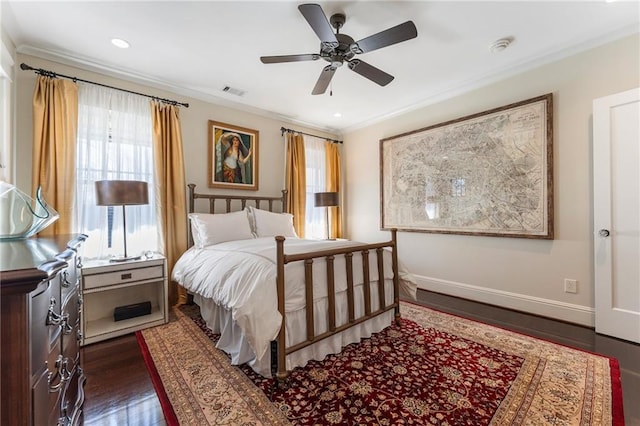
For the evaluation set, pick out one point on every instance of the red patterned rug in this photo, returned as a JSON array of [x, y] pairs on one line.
[[431, 369]]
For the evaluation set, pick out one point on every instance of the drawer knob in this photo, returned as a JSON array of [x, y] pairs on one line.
[[126, 276]]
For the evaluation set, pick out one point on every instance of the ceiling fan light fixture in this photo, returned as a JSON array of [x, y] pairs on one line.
[[500, 45]]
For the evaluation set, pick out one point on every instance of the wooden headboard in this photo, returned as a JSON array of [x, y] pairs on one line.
[[234, 203]]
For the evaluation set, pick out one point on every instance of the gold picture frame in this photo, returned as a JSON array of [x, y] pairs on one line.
[[488, 174], [233, 156]]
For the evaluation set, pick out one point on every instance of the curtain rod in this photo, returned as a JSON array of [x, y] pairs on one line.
[[283, 130], [55, 74]]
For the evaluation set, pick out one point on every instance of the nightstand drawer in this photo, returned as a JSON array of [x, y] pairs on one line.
[[122, 277]]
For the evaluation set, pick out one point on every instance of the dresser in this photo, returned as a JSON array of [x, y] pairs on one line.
[[41, 374]]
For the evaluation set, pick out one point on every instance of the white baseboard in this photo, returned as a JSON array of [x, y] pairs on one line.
[[576, 314]]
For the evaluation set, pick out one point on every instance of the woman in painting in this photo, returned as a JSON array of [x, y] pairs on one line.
[[235, 158]]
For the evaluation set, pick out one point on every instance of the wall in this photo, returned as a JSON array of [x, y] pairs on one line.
[[194, 122], [517, 273]]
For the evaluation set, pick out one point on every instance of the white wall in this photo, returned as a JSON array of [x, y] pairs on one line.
[[517, 273], [194, 122]]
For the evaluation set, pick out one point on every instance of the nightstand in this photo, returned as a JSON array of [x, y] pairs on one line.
[[106, 286]]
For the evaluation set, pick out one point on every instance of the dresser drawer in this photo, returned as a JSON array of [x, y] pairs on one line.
[[43, 336], [123, 277]]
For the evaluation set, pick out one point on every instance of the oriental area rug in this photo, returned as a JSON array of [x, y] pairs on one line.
[[431, 369]]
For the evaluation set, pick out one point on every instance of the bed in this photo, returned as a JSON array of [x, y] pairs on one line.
[[249, 274]]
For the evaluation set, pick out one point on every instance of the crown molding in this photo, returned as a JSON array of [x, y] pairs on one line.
[[86, 64], [562, 52], [458, 89]]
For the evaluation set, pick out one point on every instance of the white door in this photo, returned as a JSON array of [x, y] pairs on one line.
[[616, 214]]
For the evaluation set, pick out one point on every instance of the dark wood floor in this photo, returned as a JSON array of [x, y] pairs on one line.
[[119, 390]]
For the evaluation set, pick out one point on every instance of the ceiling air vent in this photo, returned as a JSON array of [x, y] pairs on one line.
[[233, 91]]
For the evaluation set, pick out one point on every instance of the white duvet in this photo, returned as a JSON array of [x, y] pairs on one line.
[[240, 276]]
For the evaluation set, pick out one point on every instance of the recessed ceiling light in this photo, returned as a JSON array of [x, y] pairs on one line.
[[337, 114], [118, 42]]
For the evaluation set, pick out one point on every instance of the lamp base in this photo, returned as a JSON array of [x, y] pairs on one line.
[[124, 258]]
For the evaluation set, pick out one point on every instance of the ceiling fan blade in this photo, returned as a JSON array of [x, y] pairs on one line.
[[319, 23], [324, 80], [393, 35], [289, 58], [369, 71]]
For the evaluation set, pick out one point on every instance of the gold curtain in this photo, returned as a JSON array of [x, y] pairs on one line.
[[333, 185], [170, 189], [296, 182], [55, 130]]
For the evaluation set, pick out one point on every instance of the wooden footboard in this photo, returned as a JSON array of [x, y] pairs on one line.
[[329, 256], [280, 352]]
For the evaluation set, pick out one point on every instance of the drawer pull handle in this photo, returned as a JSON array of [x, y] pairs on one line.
[[53, 318], [65, 280], [62, 372], [125, 276], [65, 420], [66, 327], [62, 321]]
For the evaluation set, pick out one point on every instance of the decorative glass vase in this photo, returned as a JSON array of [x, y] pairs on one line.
[[20, 215]]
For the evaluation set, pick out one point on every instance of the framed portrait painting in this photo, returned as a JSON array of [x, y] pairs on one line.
[[233, 157]]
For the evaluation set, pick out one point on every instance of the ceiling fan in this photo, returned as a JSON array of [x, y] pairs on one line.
[[339, 48]]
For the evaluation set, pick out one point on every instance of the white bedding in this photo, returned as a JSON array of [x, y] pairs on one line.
[[240, 277]]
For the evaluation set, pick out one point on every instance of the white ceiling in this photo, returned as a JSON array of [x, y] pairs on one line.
[[197, 48]]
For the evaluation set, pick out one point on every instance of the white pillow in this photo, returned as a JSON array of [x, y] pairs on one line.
[[269, 224], [217, 228]]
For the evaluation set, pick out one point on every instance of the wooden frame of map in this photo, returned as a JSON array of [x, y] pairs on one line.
[[488, 174]]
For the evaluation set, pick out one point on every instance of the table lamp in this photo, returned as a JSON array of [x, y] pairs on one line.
[[122, 193], [326, 200]]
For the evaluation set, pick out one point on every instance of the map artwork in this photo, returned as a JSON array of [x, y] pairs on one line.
[[486, 174]]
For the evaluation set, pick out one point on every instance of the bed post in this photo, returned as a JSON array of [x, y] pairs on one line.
[[396, 278], [190, 209], [281, 374]]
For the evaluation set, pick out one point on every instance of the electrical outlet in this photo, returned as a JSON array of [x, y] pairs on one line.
[[570, 286]]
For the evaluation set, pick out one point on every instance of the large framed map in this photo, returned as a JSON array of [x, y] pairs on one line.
[[487, 174]]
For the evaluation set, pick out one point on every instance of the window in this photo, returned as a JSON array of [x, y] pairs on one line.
[[6, 96], [316, 166], [114, 143]]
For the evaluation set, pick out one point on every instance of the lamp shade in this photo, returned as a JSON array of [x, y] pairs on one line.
[[121, 193], [326, 199]]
